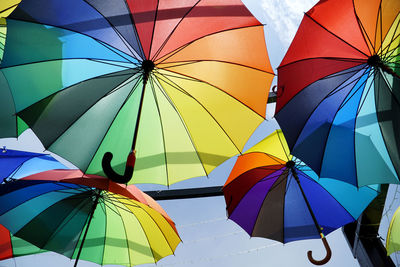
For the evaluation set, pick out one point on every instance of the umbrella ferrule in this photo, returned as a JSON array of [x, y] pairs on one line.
[[147, 66], [376, 61]]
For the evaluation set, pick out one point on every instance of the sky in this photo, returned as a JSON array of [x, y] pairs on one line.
[[209, 238]]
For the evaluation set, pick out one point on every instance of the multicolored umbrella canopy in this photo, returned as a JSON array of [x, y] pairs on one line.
[[169, 79], [87, 217], [272, 194], [393, 234], [11, 246], [16, 164], [338, 91]]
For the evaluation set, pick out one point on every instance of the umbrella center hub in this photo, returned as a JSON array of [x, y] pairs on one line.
[[290, 164], [147, 66], [375, 61]]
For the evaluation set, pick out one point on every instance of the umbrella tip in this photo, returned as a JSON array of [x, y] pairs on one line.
[[374, 61], [290, 164], [147, 66]]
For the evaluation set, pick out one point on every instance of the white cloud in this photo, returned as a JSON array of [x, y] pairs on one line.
[[284, 16]]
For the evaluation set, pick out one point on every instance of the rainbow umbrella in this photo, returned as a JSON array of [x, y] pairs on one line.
[[393, 234], [272, 194], [178, 85], [87, 217], [15, 164], [339, 83], [11, 246]]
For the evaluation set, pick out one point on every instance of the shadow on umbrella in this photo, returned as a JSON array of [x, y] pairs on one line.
[[148, 16]]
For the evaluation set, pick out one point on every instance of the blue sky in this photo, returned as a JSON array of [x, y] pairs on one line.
[[209, 239]]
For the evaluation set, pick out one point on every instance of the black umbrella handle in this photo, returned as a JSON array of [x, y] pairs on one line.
[[327, 257], [290, 164], [112, 175]]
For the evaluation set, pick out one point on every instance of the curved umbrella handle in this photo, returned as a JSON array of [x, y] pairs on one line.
[[327, 257], [275, 90], [112, 175]]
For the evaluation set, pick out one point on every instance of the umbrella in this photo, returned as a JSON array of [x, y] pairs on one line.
[[16, 164], [393, 234], [272, 194], [165, 82], [339, 83], [11, 246], [87, 217]]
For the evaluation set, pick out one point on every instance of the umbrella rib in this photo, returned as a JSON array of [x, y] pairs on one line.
[[63, 28], [99, 60], [111, 199], [214, 119], [327, 30], [380, 127], [173, 30], [107, 94], [111, 63], [184, 63], [8, 8], [124, 226], [130, 48], [380, 14], [355, 60], [216, 87], [282, 141], [180, 118], [177, 50], [162, 128], [159, 228], [340, 87], [389, 53], [360, 87], [141, 225], [391, 91], [134, 87], [366, 38], [105, 224], [76, 210], [366, 90], [277, 182], [135, 29], [80, 206], [348, 96], [270, 176], [154, 27], [312, 180], [338, 74], [14, 104]]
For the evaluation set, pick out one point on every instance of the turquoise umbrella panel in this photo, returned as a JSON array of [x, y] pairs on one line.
[[67, 58], [108, 22], [347, 117]]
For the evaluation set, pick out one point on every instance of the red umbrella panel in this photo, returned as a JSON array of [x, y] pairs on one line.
[[338, 98], [11, 246], [180, 85]]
